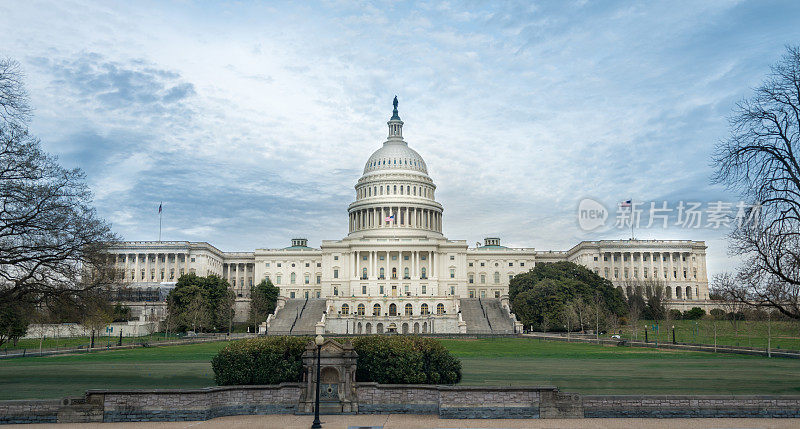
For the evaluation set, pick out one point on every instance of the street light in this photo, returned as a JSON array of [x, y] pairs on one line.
[[673, 334], [317, 424], [645, 333]]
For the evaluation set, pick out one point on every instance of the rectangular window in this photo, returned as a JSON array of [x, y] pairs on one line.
[[595, 258], [319, 279], [452, 257], [363, 258], [307, 279], [510, 276], [452, 290], [471, 293], [470, 264], [381, 292], [336, 257], [483, 278], [336, 274], [423, 257], [521, 264], [407, 289], [363, 289], [335, 291], [497, 294], [267, 264], [452, 273], [381, 257], [291, 294], [192, 259], [279, 264], [424, 289], [319, 264], [510, 264], [405, 258], [483, 264], [306, 264], [471, 279]]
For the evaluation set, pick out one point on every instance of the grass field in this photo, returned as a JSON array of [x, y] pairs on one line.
[[785, 335], [32, 344], [585, 368]]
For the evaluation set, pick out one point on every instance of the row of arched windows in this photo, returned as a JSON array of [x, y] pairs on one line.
[[680, 292], [408, 309], [413, 190], [382, 273]]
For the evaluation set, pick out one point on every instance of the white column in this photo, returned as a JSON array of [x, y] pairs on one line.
[[433, 266]]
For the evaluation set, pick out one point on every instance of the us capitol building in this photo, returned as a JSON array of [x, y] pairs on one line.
[[395, 271]]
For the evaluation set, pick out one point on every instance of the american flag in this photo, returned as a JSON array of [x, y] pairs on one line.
[[625, 203], [159, 208], [389, 218]]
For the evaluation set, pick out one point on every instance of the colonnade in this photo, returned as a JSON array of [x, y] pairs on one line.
[[374, 264], [404, 217], [644, 265], [152, 267]]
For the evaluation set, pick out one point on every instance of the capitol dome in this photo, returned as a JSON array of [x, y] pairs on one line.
[[395, 155], [395, 195]]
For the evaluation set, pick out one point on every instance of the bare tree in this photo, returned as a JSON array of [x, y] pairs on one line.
[[51, 240], [727, 287], [14, 107], [759, 160]]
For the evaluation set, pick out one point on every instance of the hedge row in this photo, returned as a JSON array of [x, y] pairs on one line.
[[263, 360], [382, 359]]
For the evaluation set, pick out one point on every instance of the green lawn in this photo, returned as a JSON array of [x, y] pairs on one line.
[[785, 335], [32, 344], [585, 368]]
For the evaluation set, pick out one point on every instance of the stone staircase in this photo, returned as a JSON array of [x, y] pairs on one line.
[[297, 317], [499, 319], [486, 316], [472, 314]]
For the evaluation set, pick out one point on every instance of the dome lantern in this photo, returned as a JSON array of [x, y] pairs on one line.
[[395, 124]]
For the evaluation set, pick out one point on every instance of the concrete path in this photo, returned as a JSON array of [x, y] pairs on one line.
[[406, 421]]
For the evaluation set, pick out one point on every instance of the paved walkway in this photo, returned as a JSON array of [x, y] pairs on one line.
[[406, 421]]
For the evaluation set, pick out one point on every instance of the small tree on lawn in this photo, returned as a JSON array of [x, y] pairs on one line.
[[263, 299]]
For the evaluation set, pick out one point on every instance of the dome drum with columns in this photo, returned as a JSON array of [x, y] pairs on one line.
[[396, 272]]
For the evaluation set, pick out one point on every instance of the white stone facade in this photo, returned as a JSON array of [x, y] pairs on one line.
[[395, 270]]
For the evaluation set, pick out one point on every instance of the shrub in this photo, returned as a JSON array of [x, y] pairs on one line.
[[717, 313], [694, 314], [405, 360], [675, 314], [263, 360]]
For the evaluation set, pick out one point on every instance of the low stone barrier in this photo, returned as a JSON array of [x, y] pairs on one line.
[[445, 401], [690, 406]]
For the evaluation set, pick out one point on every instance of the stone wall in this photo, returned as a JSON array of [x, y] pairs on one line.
[[198, 404], [676, 406], [444, 401], [29, 411]]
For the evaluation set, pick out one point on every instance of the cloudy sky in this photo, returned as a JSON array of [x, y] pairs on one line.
[[252, 121]]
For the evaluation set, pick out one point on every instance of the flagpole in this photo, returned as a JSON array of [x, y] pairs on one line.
[[159, 221], [631, 219]]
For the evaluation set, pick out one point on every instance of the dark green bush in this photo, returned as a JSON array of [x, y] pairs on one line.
[[717, 313], [263, 360], [694, 314], [405, 360], [675, 314]]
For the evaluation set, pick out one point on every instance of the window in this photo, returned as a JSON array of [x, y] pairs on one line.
[[381, 289], [345, 309], [382, 275], [483, 294], [483, 278], [376, 310], [406, 289], [483, 264], [521, 264], [405, 273], [292, 265], [423, 257], [496, 277], [277, 279], [336, 291], [319, 264], [336, 274], [267, 264], [423, 309], [279, 264], [381, 257], [307, 279], [471, 278], [424, 276], [470, 264], [440, 308], [292, 278], [363, 289], [363, 258], [511, 276], [424, 289], [291, 294], [335, 258], [306, 264], [452, 257], [360, 309], [497, 294], [595, 258], [364, 274], [394, 273], [409, 310], [616, 273], [452, 290], [193, 260], [392, 309], [471, 293], [452, 273], [319, 279]]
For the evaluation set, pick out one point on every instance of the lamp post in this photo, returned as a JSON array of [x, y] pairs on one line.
[[645, 333], [673, 334], [318, 340]]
